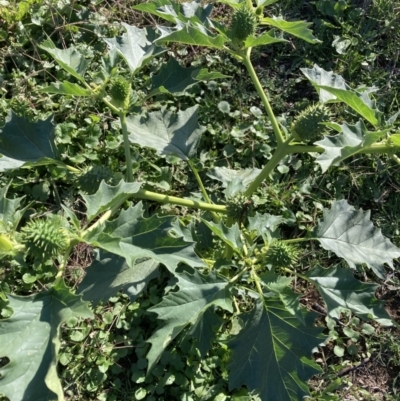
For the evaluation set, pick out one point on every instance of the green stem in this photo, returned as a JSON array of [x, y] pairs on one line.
[[279, 154], [144, 194], [297, 274], [128, 158], [216, 218], [257, 281], [296, 240], [263, 96]]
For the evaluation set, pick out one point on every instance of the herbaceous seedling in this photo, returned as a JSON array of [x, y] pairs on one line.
[[271, 353]]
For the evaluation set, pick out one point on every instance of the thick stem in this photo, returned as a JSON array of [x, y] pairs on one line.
[[144, 194], [263, 96], [280, 153], [296, 240], [127, 147]]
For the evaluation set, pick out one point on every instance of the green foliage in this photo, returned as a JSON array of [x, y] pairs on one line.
[[193, 299]]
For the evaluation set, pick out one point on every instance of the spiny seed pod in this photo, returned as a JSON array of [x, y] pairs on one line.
[[281, 255], [44, 238], [91, 178], [120, 90], [238, 206], [307, 125], [244, 23]]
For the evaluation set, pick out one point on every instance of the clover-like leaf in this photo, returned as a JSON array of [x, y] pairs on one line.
[[173, 78], [30, 339], [230, 235], [134, 237], [136, 46], [184, 307], [71, 60], [351, 235], [22, 141], [332, 87], [341, 290], [110, 273], [299, 29], [351, 140], [271, 354], [108, 196], [167, 132]]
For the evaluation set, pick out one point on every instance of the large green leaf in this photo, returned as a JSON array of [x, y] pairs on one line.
[[341, 290], [296, 28], [205, 328], [351, 235], [134, 237], [351, 140], [184, 307], [230, 235], [332, 87], [108, 197], [264, 39], [279, 286], [172, 10], [66, 88], [136, 46], [30, 338], [173, 78], [226, 175], [110, 274], [167, 132], [22, 141], [70, 59], [271, 354], [191, 33]]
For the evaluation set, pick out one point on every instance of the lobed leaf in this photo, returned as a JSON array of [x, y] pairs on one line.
[[230, 235], [22, 141], [191, 34], [173, 78], [226, 175], [296, 28], [71, 60], [351, 140], [136, 46], [184, 307], [167, 132], [271, 352], [66, 88], [110, 273], [351, 235], [340, 290], [332, 87], [108, 197], [30, 339], [134, 237]]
